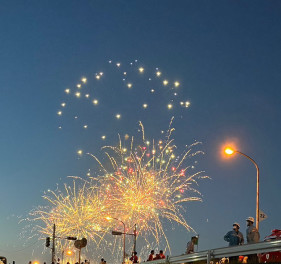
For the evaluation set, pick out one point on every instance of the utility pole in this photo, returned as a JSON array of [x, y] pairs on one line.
[[53, 248], [135, 237]]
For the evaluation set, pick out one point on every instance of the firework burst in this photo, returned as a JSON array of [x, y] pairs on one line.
[[76, 211], [149, 184]]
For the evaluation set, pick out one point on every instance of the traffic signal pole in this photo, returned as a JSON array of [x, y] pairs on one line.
[[53, 248]]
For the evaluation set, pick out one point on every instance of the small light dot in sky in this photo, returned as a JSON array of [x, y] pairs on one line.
[[85, 126], [103, 137], [141, 69], [118, 116], [95, 101], [63, 104], [158, 73], [77, 94], [145, 106], [165, 82], [118, 64], [101, 73], [87, 95], [129, 85], [78, 85], [84, 79], [59, 113], [177, 84], [187, 104], [67, 91], [80, 152], [170, 106], [97, 77], [152, 90]]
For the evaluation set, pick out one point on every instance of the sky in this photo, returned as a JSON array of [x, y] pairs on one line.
[[225, 54]]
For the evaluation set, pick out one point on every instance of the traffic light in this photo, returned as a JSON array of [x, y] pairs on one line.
[[47, 241], [71, 238], [116, 233]]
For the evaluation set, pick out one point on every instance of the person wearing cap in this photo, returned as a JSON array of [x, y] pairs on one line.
[[234, 237], [253, 235]]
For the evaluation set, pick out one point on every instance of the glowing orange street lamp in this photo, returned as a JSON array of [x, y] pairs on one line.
[[230, 151], [69, 253], [124, 237]]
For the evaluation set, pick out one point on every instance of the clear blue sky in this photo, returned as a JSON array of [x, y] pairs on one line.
[[226, 53]]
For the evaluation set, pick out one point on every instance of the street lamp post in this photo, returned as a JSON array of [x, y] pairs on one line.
[[230, 151]]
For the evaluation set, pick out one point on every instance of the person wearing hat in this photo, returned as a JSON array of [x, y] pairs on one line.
[[234, 237], [253, 235]]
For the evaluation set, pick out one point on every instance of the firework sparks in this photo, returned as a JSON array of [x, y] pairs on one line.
[[154, 84], [75, 212], [146, 185]]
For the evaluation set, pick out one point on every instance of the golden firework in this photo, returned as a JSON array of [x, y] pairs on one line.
[[77, 211], [147, 184]]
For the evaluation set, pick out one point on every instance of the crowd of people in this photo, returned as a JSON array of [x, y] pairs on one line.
[[58, 262], [151, 257], [233, 237], [160, 255]]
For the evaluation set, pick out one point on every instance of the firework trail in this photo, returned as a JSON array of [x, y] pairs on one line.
[[148, 184], [76, 211], [143, 183], [144, 186]]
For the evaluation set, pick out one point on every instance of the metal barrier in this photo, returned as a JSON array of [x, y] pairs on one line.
[[208, 255]]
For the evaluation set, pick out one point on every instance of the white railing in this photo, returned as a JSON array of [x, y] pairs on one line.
[[208, 255]]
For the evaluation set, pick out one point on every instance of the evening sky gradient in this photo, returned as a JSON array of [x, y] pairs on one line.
[[226, 53]]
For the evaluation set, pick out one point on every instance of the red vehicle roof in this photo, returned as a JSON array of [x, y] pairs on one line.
[[275, 234]]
